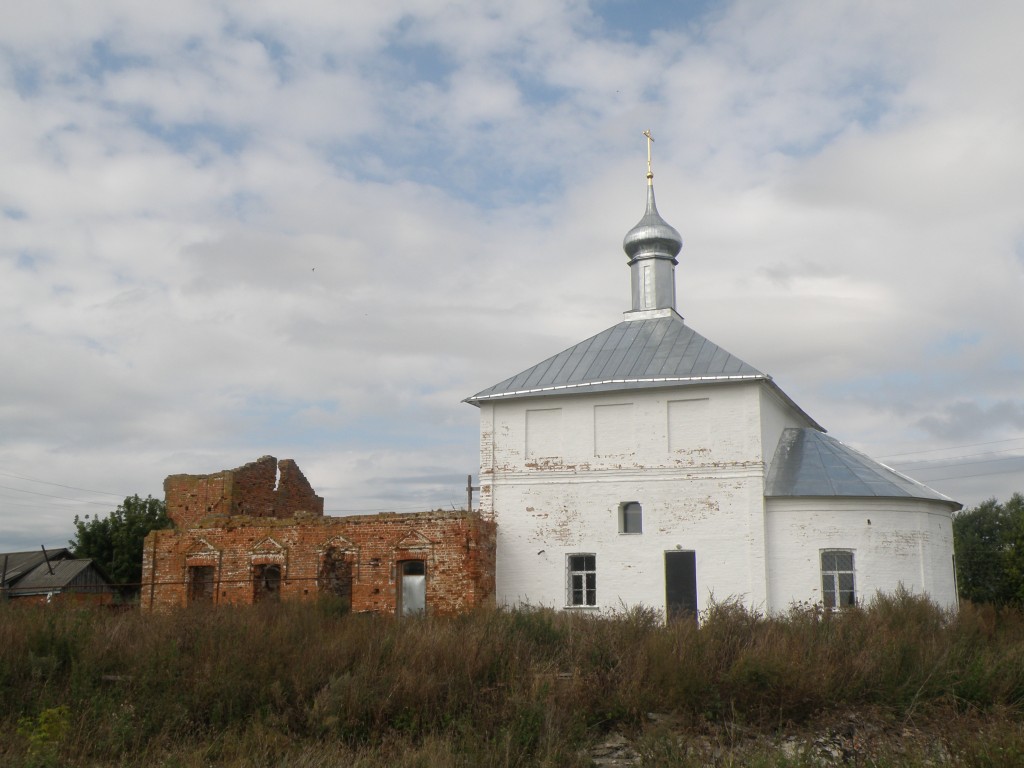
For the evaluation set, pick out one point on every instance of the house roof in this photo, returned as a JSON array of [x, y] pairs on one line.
[[21, 563], [40, 579], [810, 463], [649, 352]]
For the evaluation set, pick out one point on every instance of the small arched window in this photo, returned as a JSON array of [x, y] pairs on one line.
[[631, 517]]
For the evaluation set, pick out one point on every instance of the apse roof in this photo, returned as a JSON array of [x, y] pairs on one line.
[[650, 352], [810, 463]]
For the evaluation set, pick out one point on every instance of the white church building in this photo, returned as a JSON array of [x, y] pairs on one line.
[[648, 466]]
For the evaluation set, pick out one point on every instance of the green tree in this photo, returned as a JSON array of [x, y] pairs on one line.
[[989, 544], [115, 542]]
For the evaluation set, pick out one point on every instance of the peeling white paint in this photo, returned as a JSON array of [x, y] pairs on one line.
[[698, 471]]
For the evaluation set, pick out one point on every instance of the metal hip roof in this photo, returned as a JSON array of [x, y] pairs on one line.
[[810, 463], [652, 352]]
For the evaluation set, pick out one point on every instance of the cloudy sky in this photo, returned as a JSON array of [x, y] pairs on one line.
[[310, 229]]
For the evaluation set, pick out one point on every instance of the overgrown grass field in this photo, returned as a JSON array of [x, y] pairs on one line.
[[307, 685]]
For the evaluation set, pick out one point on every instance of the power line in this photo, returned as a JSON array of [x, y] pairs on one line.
[[952, 448], [12, 501], [961, 456], [60, 485], [51, 496], [950, 463], [979, 474]]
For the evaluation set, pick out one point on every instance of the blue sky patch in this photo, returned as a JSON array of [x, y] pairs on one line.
[[954, 342], [626, 19], [28, 261], [278, 55], [192, 137], [27, 80], [418, 62], [102, 58], [479, 173]]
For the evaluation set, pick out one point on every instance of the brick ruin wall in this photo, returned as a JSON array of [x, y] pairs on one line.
[[263, 488], [258, 532], [457, 549]]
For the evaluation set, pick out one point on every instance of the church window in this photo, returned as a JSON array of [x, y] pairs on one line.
[[582, 585], [631, 517], [837, 578]]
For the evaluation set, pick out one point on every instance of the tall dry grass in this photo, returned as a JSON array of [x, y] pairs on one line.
[[310, 685]]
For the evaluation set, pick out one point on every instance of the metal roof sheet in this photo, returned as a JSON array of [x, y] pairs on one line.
[[810, 463], [651, 352], [41, 579], [19, 564]]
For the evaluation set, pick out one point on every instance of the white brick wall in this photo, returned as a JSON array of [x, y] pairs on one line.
[[695, 458], [908, 542]]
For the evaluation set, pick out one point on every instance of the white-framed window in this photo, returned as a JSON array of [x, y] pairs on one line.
[[631, 517], [838, 586], [581, 586]]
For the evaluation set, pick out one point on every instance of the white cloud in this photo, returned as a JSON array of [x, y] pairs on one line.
[[311, 230]]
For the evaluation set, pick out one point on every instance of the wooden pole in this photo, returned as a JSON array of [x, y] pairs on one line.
[[469, 492]]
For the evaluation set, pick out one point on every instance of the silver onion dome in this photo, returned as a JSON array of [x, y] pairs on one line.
[[652, 236]]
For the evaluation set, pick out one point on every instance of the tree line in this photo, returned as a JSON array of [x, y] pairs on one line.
[[989, 546]]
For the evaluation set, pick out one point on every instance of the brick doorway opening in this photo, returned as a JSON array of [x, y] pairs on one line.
[[266, 583], [335, 577], [201, 584], [412, 588]]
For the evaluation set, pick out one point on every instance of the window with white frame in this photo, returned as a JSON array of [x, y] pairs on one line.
[[838, 587], [631, 517], [582, 582]]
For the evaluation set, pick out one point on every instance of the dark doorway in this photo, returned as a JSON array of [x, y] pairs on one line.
[[335, 577], [266, 583], [412, 591], [200, 584], [681, 585]]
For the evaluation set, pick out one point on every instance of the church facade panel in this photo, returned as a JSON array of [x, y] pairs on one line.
[[546, 514]]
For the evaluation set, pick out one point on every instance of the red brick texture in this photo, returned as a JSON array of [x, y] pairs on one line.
[[264, 488], [296, 553]]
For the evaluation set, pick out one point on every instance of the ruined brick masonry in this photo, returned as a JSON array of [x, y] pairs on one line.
[[254, 490], [258, 532]]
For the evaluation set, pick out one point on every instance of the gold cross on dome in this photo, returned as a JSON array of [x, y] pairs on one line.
[[650, 140]]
